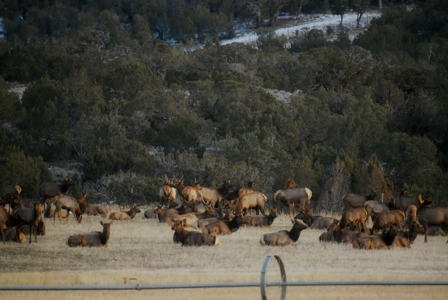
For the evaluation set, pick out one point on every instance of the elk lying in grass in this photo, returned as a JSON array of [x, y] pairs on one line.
[[28, 216], [92, 209], [191, 220], [149, 214], [53, 189], [68, 203], [163, 214], [223, 226], [392, 217], [383, 241], [337, 235], [125, 215], [260, 221], [209, 212], [315, 222], [11, 235], [284, 237], [94, 239], [192, 238]]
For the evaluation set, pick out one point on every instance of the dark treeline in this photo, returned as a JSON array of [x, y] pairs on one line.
[[112, 104]]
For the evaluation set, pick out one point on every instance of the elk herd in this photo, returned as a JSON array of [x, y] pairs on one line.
[[199, 215]]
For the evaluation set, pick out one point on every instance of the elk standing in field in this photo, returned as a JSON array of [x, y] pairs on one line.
[[28, 216], [428, 215], [355, 200], [53, 189], [94, 239], [296, 197], [68, 203], [10, 195]]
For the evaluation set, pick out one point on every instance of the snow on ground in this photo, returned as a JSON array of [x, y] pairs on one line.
[[306, 23]]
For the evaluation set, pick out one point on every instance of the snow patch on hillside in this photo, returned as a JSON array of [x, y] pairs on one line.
[[306, 23]]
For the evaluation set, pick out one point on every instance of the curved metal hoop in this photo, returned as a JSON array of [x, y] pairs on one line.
[[263, 282]]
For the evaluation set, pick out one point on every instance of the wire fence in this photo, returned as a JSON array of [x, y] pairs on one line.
[[263, 284]]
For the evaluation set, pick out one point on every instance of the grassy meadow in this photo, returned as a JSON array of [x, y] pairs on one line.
[[144, 249]]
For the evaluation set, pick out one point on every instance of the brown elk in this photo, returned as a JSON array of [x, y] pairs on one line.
[[374, 208], [62, 214], [435, 216], [260, 221], [223, 226], [164, 213], [213, 196], [53, 189], [383, 241], [315, 222], [355, 200], [94, 239], [405, 200], [338, 235], [91, 209], [392, 217], [279, 199], [125, 215], [3, 220], [356, 216], [209, 212], [191, 220], [256, 200], [249, 189], [68, 203], [192, 193], [28, 216], [192, 238], [284, 237], [10, 195], [168, 193], [297, 197]]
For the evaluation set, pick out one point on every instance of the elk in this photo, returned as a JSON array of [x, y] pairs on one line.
[[435, 216], [297, 197], [10, 195], [383, 241], [260, 221], [3, 220], [255, 200], [53, 189], [338, 235], [374, 208], [168, 193], [315, 222], [28, 216], [356, 216], [192, 193], [279, 198], [49, 213], [149, 214], [68, 203], [192, 238], [284, 237], [94, 239], [223, 226], [355, 200], [91, 209], [191, 220], [405, 200], [392, 217], [209, 212], [213, 196], [164, 213], [125, 215], [11, 235]]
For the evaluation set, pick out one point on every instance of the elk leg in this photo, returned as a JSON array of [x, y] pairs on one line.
[[3, 234]]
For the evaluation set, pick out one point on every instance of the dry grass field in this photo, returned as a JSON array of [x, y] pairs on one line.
[[144, 249]]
